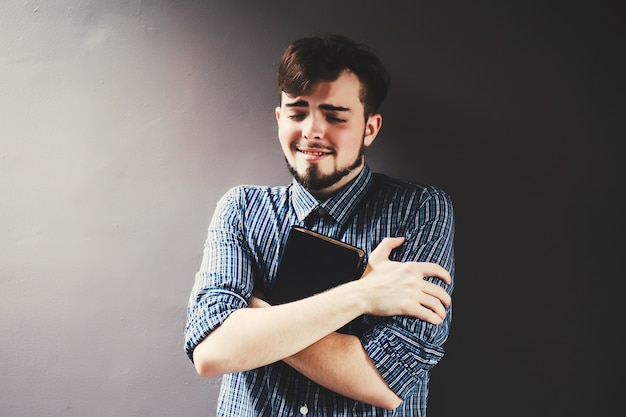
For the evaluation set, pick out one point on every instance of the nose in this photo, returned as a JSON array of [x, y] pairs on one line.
[[313, 127]]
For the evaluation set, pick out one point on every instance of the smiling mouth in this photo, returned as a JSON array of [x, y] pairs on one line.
[[313, 150], [314, 153]]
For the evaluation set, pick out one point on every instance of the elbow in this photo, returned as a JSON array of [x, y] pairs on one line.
[[204, 369], [206, 364], [216, 356]]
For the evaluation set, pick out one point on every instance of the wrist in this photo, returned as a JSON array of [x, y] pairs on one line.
[[356, 296]]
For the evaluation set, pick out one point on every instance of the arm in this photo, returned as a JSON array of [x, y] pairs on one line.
[[345, 368], [340, 363], [343, 358], [416, 341], [223, 336], [251, 338], [267, 335]]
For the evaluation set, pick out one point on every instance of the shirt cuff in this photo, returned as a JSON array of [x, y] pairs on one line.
[[401, 358], [207, 314]]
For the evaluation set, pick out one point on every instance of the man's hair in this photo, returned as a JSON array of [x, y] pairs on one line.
[[308, 61]]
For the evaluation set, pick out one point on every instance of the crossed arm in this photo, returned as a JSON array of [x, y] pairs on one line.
[[302, 333]]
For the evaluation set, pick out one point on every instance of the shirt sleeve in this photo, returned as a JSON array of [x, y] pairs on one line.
[[405, 349], [224, 282]]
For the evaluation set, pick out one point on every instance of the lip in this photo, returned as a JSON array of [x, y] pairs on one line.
[[313, 154]]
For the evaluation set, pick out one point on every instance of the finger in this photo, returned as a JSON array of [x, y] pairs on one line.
[[434, 305], [436, 291], [427, 314], [429, 269], [384, 248]]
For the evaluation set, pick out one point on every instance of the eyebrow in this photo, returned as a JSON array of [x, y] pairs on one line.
[[329, 107]]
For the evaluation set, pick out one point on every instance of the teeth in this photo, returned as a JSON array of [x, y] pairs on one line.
[[313, 153]]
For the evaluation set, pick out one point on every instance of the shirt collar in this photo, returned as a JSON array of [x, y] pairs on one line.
[[340, 205]]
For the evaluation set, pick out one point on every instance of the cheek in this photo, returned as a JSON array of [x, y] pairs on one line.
[[286, 139], [349, 141], [287, 131]]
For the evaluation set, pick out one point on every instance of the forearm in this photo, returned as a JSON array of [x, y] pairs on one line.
[[253, 337], [339, 363]]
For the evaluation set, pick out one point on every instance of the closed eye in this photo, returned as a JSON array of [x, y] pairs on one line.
[[335, 119]]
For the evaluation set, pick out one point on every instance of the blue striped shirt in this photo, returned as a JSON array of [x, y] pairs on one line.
[[245, 239]]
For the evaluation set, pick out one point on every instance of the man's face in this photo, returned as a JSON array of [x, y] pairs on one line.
[[323, 134]]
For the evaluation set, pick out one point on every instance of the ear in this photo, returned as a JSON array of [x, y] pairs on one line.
[[372, 127], [277, 113]]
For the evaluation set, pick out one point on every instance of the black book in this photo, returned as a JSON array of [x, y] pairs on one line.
[[312, 263]]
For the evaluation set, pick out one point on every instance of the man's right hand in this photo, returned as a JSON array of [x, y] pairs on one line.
[[399, 288]]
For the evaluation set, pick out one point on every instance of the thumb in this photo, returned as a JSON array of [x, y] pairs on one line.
[[384, 248]]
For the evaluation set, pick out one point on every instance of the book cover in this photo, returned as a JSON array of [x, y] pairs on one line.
[[312, 263]]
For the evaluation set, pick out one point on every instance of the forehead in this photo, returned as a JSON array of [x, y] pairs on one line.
[[344, 91]]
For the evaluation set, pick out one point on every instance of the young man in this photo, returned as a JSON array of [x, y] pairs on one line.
[[289, 359]]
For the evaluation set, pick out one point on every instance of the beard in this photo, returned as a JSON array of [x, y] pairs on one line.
[[313, 179]]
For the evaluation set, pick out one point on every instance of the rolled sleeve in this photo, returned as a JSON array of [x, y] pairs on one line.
[[224, 282], [400, 357], [207, 314], [405, 349]]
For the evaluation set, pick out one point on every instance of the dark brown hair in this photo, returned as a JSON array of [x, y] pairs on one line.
[[307, 61]]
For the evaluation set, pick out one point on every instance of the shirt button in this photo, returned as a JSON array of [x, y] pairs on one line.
[[304, 410]]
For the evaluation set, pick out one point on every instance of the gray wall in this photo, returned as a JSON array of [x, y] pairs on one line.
[[122, 122]]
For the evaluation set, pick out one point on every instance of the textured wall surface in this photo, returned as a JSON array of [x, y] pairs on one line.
[[122, 122]]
